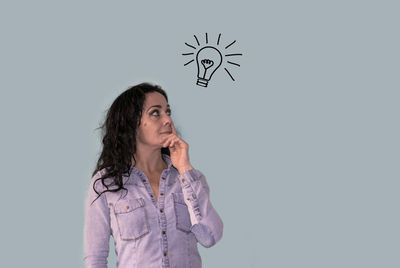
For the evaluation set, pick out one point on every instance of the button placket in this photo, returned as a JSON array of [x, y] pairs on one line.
[[148, 188], [163, 219], [160, 206]]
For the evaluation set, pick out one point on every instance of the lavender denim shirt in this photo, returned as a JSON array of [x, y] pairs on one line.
[[149, 233]]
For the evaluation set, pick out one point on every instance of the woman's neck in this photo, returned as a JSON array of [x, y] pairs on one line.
[[149, 161]]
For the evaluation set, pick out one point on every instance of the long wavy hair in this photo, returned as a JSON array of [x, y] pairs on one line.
[[119, 136]]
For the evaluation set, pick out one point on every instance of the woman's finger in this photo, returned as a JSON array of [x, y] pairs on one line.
[[169, 139], [173, 128], [165, 142], [174, 141], [178, 142]]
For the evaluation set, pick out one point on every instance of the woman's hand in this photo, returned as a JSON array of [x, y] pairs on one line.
[[179, 151]]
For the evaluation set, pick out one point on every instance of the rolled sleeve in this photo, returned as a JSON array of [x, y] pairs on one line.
[[207, 225], [97, 229]]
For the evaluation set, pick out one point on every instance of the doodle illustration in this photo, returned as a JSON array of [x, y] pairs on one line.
[[209, 59]]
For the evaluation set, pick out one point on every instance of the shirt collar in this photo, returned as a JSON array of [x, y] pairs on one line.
[[167, 160], [170, 173]]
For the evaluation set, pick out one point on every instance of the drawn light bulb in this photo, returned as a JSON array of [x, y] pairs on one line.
[[208, 60]]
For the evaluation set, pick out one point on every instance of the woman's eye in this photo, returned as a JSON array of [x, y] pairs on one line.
[[157, 113]]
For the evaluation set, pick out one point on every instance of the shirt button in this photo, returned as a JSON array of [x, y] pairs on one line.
[[163, 178], [161, 210], [163, 232], [161, 193], [183, 180], [165, 253], [127, 207], [143, 180]]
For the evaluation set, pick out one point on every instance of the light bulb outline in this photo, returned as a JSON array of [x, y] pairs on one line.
[[219, 49], [204, 78]]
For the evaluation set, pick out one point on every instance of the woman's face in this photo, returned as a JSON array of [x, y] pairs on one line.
[[155, 123]]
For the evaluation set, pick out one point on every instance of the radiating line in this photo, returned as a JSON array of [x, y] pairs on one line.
[[229, 74], [190, 45], [219, 36], [188, 63], [185, 54], [206, 38], [233, 63], [230, 44], [237, 54], [197, 40]]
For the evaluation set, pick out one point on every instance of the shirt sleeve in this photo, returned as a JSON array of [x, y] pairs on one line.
[[97, 229], [207, 225]]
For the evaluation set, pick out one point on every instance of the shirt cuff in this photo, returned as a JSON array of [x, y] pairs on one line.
[[187, 180]]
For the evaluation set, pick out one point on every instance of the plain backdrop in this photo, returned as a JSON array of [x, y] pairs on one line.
[[301, 151]]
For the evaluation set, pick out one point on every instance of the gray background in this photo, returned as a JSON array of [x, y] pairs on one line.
[[301, 152]]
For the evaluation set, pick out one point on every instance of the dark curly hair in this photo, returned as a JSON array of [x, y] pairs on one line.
[[119, 136]]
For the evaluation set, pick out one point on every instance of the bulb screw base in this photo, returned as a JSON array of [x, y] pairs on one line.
[[202, 82]]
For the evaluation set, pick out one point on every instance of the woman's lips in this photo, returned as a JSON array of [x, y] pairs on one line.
[[166, 132]]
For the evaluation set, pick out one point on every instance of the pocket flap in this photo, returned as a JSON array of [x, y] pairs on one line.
[[125, 206], [179, 198]]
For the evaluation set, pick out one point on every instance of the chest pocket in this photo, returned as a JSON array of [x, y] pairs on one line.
[[131, 218], [181, 213]]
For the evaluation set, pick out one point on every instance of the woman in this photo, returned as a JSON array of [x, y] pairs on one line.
[[145, 192]]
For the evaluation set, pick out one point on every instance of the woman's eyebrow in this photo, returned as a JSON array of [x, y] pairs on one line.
[[158, 106]]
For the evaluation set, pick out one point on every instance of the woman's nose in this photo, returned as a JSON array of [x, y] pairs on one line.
[[167, 120]]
